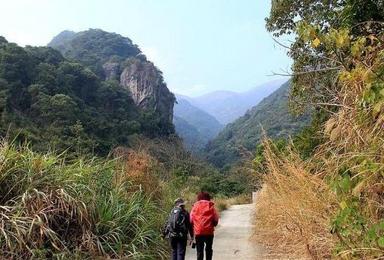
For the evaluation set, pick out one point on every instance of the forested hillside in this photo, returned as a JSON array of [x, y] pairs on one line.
[[192, 138], [239, 139], [116, 59], [54, 103], [194, 125]]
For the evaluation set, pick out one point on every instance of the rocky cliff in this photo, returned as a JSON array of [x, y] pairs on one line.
[[114, 57], [147, 87]]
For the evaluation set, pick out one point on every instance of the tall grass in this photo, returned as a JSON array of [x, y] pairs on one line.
[[294, 209], [52, 208]]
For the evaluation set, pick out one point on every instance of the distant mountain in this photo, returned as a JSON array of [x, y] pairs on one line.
[[239, 139], [194, 125], [189, 99], [62, 40], [227, 106]]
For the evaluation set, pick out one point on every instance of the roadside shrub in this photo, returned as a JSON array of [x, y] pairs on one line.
[[51, 207]]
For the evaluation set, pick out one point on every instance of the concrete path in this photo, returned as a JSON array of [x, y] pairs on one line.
[[232, 236]]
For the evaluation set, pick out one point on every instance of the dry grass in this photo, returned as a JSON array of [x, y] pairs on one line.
[[222, 204], [294, 210], [241, 199], [138, 168]]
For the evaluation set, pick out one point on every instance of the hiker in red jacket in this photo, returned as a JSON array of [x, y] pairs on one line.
[[204, 218]]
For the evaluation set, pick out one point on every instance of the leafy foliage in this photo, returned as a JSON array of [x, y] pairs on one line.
[[314, 71]]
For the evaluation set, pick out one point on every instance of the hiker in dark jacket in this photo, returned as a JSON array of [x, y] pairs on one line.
[[177, 228]]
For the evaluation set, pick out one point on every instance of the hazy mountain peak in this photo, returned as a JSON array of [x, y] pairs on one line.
[[62, 38], [227, 106]]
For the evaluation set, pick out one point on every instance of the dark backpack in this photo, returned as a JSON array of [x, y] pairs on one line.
[[177, 223]]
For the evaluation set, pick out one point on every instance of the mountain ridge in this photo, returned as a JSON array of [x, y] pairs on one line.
[[226, 106], [241, 137]]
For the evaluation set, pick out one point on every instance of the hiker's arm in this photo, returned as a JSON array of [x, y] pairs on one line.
[[165, 229], [191, 219], [191, 215], [215, 217], [189, 225]]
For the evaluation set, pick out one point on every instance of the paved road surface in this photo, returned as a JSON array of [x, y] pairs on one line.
[[232, 236]]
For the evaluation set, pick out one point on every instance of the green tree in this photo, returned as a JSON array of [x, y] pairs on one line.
[[313, 71]]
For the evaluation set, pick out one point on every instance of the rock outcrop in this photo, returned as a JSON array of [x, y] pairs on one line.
[[114, 57], [147, 87]]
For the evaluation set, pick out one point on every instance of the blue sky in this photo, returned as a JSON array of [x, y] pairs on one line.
[[200, 45]]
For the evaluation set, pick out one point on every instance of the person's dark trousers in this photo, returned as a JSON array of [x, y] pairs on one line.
[[178, 248], [200, 242]]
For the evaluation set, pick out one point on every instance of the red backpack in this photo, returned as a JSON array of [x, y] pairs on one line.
[[204, 217]]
